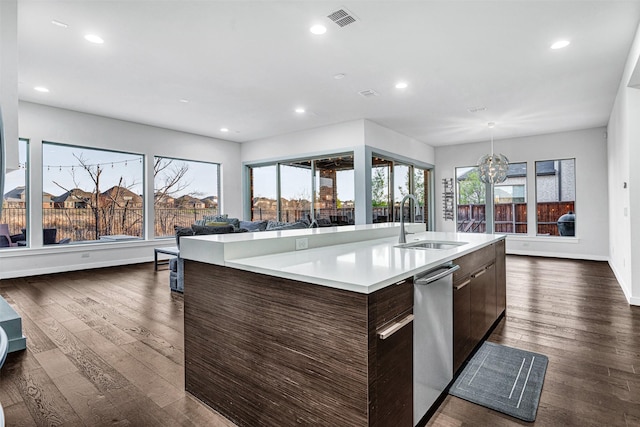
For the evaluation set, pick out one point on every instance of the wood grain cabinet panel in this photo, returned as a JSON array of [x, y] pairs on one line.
[[394, 381], [268, 351]]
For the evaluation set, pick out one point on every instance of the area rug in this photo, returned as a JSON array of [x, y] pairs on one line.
[[503, 378]]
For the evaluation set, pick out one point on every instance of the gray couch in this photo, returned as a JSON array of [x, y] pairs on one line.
[[219, 225]]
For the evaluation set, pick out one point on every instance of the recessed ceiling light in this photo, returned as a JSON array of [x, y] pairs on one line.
[[339, 76], [401, 85], [224, 130], [318, 29], [300, 110], [560, 44], [93, 39], [184, 101], [491, 125], [41, 89], [59, 24]]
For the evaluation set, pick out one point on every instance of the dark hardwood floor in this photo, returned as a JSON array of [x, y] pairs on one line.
[[575, 313], [105, 347]]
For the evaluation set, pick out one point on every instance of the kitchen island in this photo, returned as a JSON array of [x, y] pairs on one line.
[[277, 336]]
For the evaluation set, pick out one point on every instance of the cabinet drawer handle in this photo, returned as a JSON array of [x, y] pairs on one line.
[[462, 285], [395, 327], [479, 273]]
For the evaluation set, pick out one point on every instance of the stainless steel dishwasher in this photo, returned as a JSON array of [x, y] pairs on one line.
[[432, 336]]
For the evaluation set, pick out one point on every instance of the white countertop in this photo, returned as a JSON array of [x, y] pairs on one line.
[[356, 258]]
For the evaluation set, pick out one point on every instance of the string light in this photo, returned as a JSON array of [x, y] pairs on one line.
[[97, 165]]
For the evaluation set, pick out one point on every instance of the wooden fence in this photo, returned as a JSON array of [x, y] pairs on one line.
[[512, 217], [80, 224]]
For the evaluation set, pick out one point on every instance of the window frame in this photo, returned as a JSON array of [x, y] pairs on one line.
[[217, 194], [278, 178], [140, 158], [568, 208]]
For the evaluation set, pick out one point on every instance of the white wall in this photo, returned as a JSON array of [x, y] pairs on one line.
[[340, 137], [41, 123], [383, 139], [9, 80], [588, 147], [623, 153], [322, 140]]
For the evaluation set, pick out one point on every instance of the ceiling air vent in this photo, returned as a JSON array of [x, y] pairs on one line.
[[342, 17], [368, 93]]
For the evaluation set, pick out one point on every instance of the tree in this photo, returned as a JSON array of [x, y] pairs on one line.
[[379, 183], [168, 176], [471, 190], [104, 207]]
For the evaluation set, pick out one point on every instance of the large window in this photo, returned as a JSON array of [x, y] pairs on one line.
[[91, 195], [184, 191], [555, 197], [264, 192], [471, 200], [14, 203], [391, 181], [295, 191], [510, 198], [334, 190], [319, 188]]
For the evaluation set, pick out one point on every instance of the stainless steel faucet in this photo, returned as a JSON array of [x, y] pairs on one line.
[[403, 234]]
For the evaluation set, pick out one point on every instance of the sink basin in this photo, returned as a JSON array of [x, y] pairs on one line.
[[431, 244]]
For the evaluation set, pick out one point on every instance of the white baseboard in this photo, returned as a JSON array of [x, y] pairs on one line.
[[625, 289], [74, 267], [566, 255]]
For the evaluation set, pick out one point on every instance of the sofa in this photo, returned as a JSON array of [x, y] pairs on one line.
[[220, 224]]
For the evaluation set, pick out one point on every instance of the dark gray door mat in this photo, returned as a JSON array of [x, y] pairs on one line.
[[503, 378]]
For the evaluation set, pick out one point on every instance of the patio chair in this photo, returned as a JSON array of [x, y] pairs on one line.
[[4, 231]]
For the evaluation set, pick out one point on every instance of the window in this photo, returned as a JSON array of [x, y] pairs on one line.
[[421, 189], [295, 191], [91, 194], [392, 180], [334, 190], [321, 188], [471, 200], [14, 201], [184, 191], [381, 189], [264, 197], [555, 197], [510, 201], [402, 187]]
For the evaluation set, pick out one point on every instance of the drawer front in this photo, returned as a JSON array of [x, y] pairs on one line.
[[393, 301], [470, 263]]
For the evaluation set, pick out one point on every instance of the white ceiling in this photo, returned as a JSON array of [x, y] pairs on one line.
[[246, 65]]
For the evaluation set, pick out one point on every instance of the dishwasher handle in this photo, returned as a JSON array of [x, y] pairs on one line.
[[430, 277]]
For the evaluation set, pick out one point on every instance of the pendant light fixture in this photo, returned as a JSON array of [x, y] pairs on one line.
[[493, 167]]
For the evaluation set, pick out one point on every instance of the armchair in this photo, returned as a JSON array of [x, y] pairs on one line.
[[4, 231]]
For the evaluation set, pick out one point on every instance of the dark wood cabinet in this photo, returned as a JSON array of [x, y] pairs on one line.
[[462, 342], [393, 391], [391, 341], [501, 279], [479, 298]]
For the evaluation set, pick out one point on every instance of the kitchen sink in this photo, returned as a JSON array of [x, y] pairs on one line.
[[431, 244]]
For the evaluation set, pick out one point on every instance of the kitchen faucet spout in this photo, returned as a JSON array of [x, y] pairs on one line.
[[403, 233]]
